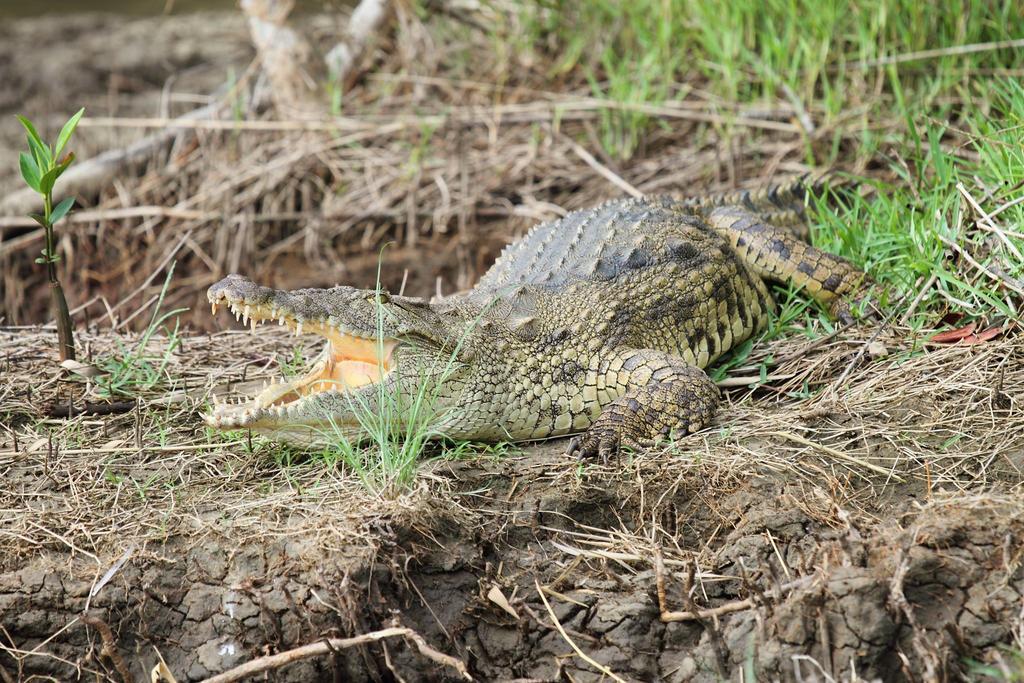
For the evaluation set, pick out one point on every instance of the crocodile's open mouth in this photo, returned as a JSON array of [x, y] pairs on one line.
[[349, 361]]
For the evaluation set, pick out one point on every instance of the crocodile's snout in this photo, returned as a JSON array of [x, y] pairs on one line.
[[236, 289]]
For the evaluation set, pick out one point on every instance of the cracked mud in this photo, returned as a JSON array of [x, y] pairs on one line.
[[938, 583]]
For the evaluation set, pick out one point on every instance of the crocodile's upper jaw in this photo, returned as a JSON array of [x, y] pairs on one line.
[[352, 362]]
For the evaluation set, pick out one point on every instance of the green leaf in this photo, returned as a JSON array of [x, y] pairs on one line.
[[62, 166], [41, 153], [61, 209], [48, 179], [32, 133], [40, 260], [29, 171], [40, 219], [67, 130]]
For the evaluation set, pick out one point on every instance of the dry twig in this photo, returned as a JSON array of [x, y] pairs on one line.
[[330, 645], [576, 648]]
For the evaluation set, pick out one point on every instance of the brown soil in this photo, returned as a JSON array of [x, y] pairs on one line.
[[940, 582], [113, 66]]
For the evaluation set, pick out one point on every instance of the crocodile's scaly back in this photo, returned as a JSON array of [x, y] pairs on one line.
[[786, 198], [590, 244], [632, 272], [593, 243], [782, 205]]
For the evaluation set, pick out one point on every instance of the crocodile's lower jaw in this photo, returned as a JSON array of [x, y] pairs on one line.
[[347, 364]]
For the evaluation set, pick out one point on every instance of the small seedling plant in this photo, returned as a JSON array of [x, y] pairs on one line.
[[40, 168]]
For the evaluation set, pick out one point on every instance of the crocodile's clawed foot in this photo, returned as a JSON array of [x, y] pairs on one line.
[[589, 446], [604, 443], [841, 313]]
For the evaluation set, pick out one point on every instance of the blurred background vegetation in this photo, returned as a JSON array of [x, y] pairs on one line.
[[463, 123]]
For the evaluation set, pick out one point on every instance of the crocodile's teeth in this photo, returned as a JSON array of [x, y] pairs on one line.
[[298, 329], [213, 308], [252, 325]]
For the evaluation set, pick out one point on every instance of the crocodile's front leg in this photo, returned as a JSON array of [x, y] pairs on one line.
[[663, 395]]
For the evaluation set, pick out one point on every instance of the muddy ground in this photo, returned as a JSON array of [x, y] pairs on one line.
[[939, 583], [112, 65]]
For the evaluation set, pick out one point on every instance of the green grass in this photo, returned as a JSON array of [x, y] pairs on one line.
[[394, 430], [134, 370], [825, 55], [894, 232], [897, 233]]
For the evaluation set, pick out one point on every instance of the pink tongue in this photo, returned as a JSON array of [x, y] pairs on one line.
[[354, 373], [357, 349]]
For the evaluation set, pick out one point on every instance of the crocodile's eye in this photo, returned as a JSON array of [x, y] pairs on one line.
[[381, 295], [410, 304]]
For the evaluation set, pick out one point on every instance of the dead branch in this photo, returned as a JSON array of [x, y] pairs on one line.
[[700, 614], [286, 57], [328, 646], [711, 627], [71, 410], [364, 22], [439, 657]]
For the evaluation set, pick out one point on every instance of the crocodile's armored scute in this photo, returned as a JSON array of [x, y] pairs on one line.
[[601, 321]]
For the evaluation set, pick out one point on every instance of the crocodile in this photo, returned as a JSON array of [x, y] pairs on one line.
[[599, 324]]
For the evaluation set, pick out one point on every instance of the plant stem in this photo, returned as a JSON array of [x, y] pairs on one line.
[[59, 304], [65, 336], [51, 266]]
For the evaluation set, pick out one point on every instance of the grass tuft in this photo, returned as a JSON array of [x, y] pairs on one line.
[[134, 370], [394, 430], [902, 232]]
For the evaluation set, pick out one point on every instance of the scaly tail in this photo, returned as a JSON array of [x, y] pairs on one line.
[[782, 205]]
